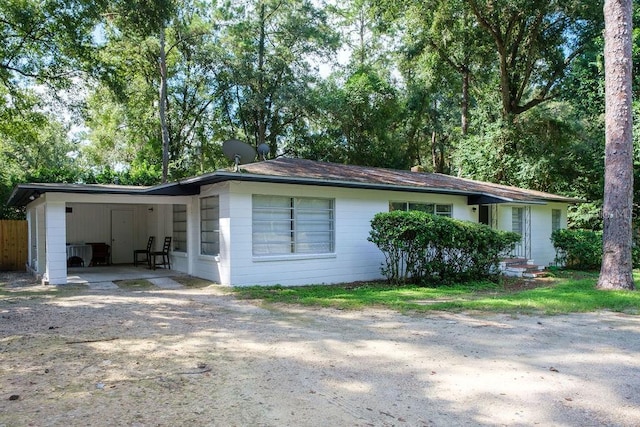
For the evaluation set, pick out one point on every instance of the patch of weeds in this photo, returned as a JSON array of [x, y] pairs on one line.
[[134, 284], [192, 282], [72, 287]]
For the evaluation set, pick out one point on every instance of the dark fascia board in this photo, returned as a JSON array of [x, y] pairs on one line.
[[24, 193], [491, 199]]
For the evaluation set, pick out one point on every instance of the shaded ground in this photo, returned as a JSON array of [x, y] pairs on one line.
[[151, 356]]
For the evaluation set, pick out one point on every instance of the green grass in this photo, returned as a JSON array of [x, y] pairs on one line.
[[565, 292]]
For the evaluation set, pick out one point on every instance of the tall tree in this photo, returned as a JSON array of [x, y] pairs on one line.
[[535, 42], [444, 34], [141, 19], [129, 123], [616, 270], [271, 47], [45, 41]]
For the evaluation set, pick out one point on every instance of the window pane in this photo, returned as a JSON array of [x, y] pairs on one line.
[[260, 201], [556, 216], [397, 206], [444, 210], [314, 204], [422, 207], [284, 225], [179, 240], [517, 220], [209, 225]]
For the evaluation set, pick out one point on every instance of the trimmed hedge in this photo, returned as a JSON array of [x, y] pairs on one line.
[[582, 249], [422, 247]]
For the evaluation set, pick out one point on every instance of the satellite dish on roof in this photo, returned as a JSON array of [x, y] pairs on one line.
[[238, 152], [263, 150]]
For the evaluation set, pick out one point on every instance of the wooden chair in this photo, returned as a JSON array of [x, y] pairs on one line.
[[101, 254], [163, 254], [75, 261], [146, 252]]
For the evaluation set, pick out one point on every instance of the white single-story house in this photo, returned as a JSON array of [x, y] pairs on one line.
[[283, 221]]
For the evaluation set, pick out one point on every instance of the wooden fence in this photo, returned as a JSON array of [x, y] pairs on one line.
[[13, 245]]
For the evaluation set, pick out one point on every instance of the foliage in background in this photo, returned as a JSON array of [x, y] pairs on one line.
[[416, 82], [582, 249], [426, 248]]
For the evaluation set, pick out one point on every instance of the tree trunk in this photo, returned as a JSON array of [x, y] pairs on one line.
[[616, 270], [434, 153], [261, 107], [465, 101], [162, 108]]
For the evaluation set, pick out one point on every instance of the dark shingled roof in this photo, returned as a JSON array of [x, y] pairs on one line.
[[432, 182], [308, 172]]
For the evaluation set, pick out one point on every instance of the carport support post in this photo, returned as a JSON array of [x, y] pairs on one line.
[[56, 235]]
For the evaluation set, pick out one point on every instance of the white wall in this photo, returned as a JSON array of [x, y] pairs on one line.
[[354, 258], [56, 260], [215, 268], [542, 251]]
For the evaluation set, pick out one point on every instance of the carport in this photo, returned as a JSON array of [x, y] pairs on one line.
[[69, 219]]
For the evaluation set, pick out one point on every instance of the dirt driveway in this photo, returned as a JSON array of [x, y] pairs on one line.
[[198, 357]]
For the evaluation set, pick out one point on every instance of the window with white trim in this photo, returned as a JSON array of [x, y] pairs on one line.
[[432, 208], [179, 228], [210, 225], [556, 218], [292, 225]]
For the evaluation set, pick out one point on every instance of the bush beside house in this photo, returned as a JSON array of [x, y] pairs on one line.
[[582, 249], [423, 248]]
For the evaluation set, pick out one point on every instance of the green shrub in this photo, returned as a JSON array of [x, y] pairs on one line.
[[582, 249], [422, 247]]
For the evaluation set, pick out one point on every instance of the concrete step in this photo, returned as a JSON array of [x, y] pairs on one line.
[[520, 267]]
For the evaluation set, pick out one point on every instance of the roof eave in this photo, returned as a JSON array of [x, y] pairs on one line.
[[23, 194], [222, 176]]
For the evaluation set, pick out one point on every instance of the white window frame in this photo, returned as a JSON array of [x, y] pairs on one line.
[[179, 220], [439, 209], [210, 223], [292, 226]]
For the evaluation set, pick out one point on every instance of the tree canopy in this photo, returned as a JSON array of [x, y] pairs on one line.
[[509, 91]]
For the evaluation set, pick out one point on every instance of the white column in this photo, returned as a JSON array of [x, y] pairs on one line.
[[192, 234], [31, 218], [41, 239], [56, 236], [224, 262]]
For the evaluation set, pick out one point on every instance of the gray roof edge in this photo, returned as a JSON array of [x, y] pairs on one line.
[[189, 186], [22, 192], [240, 176]]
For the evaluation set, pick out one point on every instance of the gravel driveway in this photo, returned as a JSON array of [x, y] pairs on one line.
[[199, 357]]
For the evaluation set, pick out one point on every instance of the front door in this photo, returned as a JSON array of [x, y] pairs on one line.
[[484, 215], [520, 223], [121, 236]]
